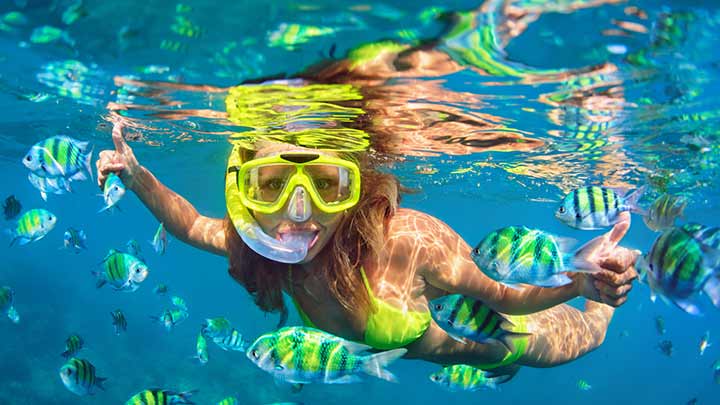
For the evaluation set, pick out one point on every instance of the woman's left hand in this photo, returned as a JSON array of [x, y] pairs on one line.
[[612, 284]]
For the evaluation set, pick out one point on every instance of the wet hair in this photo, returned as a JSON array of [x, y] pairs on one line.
[[360, 235]]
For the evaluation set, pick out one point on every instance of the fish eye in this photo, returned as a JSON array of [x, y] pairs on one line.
[[68, 371], [255, 354], [561, 210], [438, 307], [28, 158], [434, 377]]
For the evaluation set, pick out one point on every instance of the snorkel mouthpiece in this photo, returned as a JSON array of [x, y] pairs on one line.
[[289, 250], [299, 208]]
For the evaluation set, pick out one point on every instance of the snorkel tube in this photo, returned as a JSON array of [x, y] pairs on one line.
[[289, 250]]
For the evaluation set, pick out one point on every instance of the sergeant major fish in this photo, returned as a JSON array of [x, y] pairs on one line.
[[73, 344], [461, 377], [49, 185], [664, 211], [60, 156], [123, 271], [159, 396], [113, 191], [159, 241], [79, 377], [678, 266], [74, 239], [595, 207], [514, 255], [304, 355], [233, 341], [201, 349], [11, 207], [33, 226], [6, 303], [463, 317], [171, 317], [118, 321]]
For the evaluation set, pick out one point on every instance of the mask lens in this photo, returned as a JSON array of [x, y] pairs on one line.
[[266, 183], [332, 183]]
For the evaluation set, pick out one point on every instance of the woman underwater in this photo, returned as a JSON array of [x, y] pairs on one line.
[[325, 228]]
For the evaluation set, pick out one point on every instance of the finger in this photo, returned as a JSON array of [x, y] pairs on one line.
[[117, 137], [614, 302], [620, 229], [620, 259], [111, 167], [612, 292]]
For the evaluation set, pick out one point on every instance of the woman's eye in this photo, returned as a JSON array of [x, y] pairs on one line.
[[322, 184], [273, 184]]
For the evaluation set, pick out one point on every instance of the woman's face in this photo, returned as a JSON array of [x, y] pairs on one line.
[[280, 226]]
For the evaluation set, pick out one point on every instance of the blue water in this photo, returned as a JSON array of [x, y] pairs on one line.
[[651, 117]]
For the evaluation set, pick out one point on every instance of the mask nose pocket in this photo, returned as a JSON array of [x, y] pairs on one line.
[[299, 207]]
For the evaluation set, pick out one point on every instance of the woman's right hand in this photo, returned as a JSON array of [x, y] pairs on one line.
[[121, 161]]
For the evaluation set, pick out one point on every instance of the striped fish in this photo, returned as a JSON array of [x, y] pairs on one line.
[[515, 254], [49, 185], [33, 225], [708, 236], [159, 396], [161, 289], [595, 207], [716, 371], [464, 317], [73, 344], [159, 241], [113, 191], [233, 341], [11, 207], [678, 266], [201, 349], [118, 321], [79, 377], [74, 239], [60, 156], [304, 355], [178, 302], [6, 303], [461, 377], [663, 211], [215, 328], [123, 271], [171, 317], [229, 401]]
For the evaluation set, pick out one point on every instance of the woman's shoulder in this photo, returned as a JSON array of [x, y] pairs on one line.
[[415, 224]]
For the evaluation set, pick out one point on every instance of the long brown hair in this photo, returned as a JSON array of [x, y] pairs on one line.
[[360, 235]]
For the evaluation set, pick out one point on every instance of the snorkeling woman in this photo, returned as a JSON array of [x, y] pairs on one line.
[[325, 227], [327, 230]]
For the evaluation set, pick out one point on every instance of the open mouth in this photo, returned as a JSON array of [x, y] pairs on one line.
[[294, 235]]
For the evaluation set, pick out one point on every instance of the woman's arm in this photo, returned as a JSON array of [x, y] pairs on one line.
[[554, 337], [180, 218], [448, 266]]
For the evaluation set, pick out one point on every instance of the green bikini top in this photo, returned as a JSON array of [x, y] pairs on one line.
[[387, 327]]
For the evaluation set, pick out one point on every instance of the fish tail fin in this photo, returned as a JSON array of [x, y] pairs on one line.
[[375, 364], [100, 281], [13, 315], [712, 288], [185, 397], [642, 267], [88, 163], [509, 336], [99, 382], [632, 201]]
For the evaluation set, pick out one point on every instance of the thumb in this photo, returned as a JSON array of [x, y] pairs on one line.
[[120, 145], [620, 229]]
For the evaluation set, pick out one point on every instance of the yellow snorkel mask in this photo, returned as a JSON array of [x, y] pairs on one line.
[[291, 180]]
